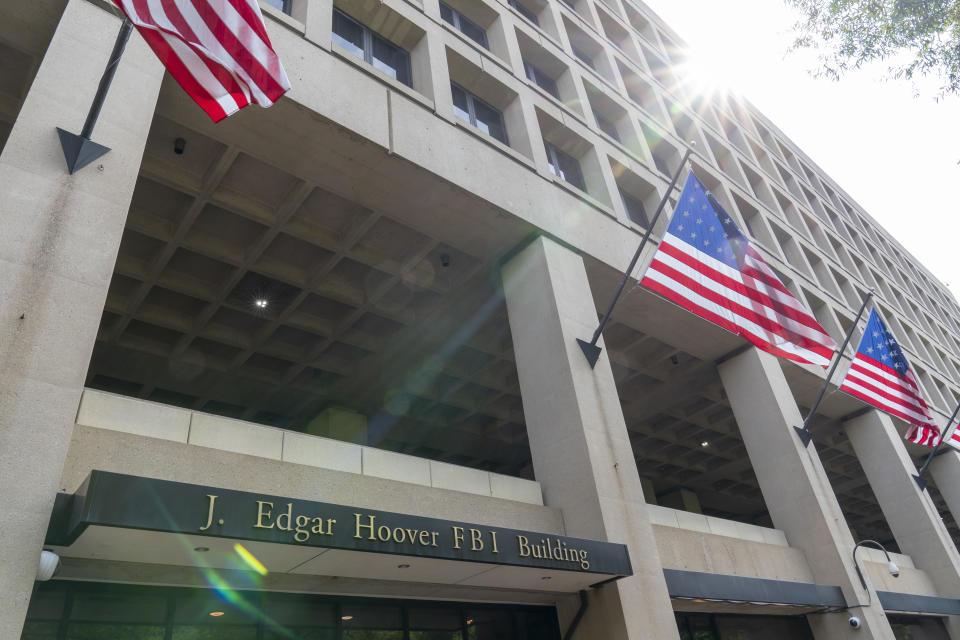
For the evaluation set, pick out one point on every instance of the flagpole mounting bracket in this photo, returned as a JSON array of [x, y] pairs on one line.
[[591, 351], [921, 482], [805, 436], [80, 150]]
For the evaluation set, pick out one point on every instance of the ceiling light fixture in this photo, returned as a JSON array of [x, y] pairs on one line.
[[216, 614], [261, 303], [704, 444], [403, 566], [347, 618], [201, 549], [546, 578]]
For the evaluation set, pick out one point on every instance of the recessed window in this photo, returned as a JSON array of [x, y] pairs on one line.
[[382, 54], [472, 109], [565, 167], [606, 126], [464, 25], [524, 11], [635, 209], [541, 79], [282, 5], [583, 57]]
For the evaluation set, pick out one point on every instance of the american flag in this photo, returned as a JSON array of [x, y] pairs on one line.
[[881, 375], [217, 50], [705, 265]]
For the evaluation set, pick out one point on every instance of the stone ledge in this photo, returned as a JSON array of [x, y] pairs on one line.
[[156, 420]]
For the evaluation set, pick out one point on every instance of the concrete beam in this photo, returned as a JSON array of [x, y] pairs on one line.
[[945, 470], [578, 439], [57, 251], [909, 512], [797, 491]]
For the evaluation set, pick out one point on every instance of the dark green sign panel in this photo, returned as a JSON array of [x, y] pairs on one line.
[[132, 502]]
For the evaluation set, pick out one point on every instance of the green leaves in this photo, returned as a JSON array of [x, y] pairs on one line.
[[916, 37]]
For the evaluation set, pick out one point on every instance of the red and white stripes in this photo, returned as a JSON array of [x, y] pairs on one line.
[[899, 395], [217, 50], [751, 302]]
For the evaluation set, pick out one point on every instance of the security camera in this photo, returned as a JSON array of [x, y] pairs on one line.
[[854, 622], [893, 569]]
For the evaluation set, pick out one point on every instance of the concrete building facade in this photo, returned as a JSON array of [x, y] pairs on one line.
[[312, 372]]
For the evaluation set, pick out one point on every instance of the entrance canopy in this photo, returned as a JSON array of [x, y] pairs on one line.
[[126, 518]]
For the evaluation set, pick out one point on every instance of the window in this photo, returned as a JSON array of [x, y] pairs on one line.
[[541, 79], [526, 13], [635, 209], [464, 25], [478, 113], [584, 57], [565, 167], [606, 126], [370, 47], [282, 5]]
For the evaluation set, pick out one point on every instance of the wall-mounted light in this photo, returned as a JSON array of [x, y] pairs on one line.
[[179, 145], [49, 562], [891, 566]]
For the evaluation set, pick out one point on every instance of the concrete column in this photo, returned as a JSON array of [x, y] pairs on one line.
[[797, 491], [318, 22], [909, 512], [945, 471], [578, 439], [57, 250]]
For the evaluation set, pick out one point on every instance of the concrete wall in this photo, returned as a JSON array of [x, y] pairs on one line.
[[103, 416]]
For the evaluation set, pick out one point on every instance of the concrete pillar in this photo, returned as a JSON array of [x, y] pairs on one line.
[[578, 438], [945, 471], [57, 250], [797, 491], [909, 512]]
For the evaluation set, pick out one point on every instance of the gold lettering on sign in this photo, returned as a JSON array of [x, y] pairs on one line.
[[283, 520], [212, 500], [261, 514], [457, 536], [364, 526], [476, 541], [524, 546], [302, 525], [493, 537], [553, 549]]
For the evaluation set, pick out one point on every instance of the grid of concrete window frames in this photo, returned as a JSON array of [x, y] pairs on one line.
[[62, 610], [602, 76]]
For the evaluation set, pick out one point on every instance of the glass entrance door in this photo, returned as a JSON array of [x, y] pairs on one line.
[[62, 610]]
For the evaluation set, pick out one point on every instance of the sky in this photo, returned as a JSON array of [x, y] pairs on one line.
[[891, 145]]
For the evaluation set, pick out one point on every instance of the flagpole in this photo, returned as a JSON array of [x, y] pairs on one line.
[[926, 463], [804, 431], [80, 150], [590, 349]]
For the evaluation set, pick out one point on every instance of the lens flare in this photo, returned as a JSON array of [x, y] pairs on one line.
[[250, 559]]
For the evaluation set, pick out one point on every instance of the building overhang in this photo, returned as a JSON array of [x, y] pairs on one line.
[[699, 591], [117, 517]]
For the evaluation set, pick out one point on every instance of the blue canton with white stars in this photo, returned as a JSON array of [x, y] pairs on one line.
[[700, 221], [878, 343]]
